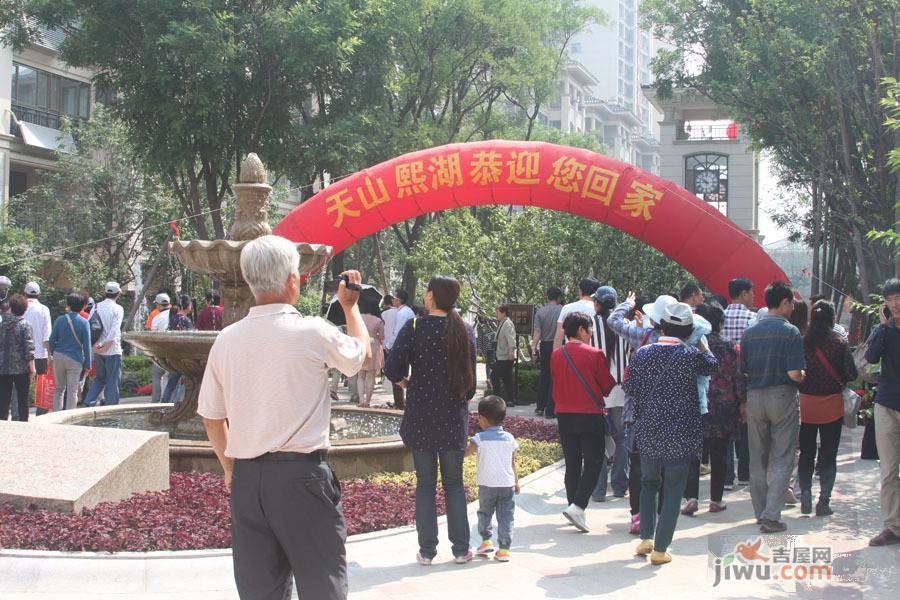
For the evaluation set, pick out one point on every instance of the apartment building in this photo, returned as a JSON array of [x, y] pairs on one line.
[[37, 90]]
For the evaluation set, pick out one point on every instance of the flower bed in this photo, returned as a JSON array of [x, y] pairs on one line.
[[195, 514]]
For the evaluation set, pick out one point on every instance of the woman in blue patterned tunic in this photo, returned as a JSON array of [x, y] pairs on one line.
[[668, 431], [440, 350]]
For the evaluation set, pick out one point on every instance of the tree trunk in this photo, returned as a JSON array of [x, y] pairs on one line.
[[376, 246], [409, 281], [151, 276], [337, 265], [816, 240]]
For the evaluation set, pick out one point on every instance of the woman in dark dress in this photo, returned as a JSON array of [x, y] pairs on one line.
[[727, 393], [440, 350]]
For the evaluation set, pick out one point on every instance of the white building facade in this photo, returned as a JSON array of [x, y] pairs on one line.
[[600, 88]]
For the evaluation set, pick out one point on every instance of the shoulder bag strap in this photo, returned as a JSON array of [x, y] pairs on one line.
[[78, 339], [584, 383], [831, 370]]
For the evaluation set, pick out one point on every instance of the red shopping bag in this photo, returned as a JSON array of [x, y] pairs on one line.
[[45, 386]]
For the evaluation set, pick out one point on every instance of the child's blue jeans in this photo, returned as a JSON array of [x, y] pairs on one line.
[[502, 501]]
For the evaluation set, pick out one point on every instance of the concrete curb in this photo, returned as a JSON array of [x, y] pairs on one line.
[[184, 571]]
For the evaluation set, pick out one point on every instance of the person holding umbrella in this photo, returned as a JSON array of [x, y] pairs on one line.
[[365, 379]]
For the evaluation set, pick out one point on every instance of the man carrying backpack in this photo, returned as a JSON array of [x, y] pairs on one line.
[[106, 336]]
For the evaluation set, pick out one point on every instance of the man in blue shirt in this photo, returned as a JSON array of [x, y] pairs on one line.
[[772, 360], [885, 347]]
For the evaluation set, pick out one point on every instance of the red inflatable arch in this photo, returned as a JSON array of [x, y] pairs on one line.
[[572, 180]]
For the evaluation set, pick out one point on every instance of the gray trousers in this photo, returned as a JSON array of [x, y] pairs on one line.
[[67, 374], [773, 424], [502, 501], [887, 438], [286, 518], [157, 374]]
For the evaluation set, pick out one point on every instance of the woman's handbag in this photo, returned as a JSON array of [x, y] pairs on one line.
[[851, 398]]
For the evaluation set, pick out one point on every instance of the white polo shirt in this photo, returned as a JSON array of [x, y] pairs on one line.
[[38, 316], [268, 375]]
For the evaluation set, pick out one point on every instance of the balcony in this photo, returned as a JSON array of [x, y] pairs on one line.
[[45, 118], [689, 132]]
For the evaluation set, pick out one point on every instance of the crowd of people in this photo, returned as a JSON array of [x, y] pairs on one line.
[[82, 348], [646, 394], [645, 391]]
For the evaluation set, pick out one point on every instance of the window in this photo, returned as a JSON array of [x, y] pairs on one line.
[[706, 175], [555, 124], [576, 47], [43, 98]]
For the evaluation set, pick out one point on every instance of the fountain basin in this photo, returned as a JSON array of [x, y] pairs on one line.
[[370, 443]]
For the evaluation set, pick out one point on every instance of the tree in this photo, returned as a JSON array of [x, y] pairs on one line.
[[804, 79], [200, 83], [99, 213], [19, 258], [492, 250]]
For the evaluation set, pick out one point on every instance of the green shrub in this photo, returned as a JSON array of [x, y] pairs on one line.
[[527, 384], [531, 457], [135, 363]]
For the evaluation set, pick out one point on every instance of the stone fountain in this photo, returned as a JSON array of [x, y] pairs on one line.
[[187, 352], [364, 440]]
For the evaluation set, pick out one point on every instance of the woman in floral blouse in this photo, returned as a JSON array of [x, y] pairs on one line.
[[727, 394], [16, 357]]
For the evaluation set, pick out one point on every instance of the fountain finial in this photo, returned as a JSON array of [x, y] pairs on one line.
[[252, 170]]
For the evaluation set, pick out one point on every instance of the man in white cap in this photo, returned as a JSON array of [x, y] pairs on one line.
[[159, 323], [38, 316], [108, 349]]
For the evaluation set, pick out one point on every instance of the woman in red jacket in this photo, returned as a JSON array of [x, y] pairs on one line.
[[581, 379]]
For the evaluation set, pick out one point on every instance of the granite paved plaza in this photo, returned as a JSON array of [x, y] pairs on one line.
[[552, 560]]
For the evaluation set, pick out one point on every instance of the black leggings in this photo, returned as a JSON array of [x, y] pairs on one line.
[[717, 448], [583, 439], [829, 436], [22, 383]]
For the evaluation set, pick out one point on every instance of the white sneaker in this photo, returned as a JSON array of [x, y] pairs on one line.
[[575, 515]]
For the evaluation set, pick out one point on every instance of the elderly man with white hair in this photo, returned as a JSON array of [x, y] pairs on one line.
[[265, 403]]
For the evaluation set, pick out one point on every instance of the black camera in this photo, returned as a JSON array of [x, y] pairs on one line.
[[350, 286]]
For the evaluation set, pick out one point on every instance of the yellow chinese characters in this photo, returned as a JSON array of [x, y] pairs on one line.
[[486, 167], [369, 195], [523, 167], [410, 178], [567, 174], [641, 199], [445, 170], [599, 184]]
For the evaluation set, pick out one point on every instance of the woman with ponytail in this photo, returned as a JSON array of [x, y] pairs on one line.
[[829, 367], [439, 348]]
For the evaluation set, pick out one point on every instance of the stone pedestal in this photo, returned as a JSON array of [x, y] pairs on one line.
[[67, 468]]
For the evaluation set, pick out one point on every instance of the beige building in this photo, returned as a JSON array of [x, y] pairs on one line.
[[707, 153], [36, 91]]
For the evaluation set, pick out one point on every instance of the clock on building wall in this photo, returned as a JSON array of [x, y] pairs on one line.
[[706, 182]]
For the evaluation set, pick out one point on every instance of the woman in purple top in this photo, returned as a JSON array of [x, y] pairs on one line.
[[16, 357], [439, 348]]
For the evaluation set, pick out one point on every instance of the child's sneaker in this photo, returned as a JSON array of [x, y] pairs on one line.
[[422, 560], [502, 555], [485, 549], [635, 524], [463, 558]]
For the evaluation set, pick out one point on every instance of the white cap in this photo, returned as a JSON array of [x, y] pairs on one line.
[[4, 280], [112, 288], [32, 289], [162, 299], [678, 314]]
